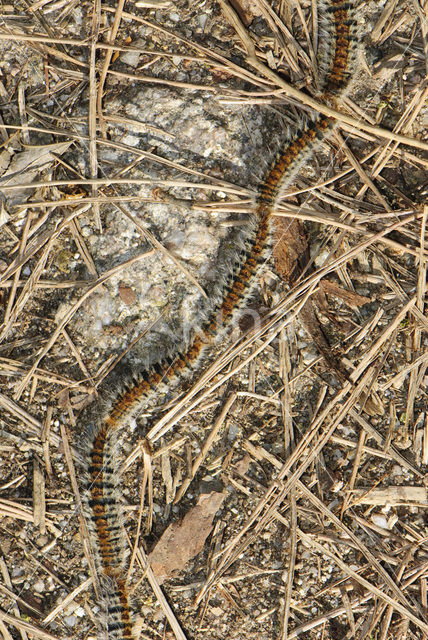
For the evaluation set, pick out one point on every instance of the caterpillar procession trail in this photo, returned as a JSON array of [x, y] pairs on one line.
[[101, 489]]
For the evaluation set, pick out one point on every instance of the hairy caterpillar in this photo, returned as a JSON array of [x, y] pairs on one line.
[[101, 490], [337, 48]]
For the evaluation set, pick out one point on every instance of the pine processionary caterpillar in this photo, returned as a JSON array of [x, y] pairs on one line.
[[101, 491], [115, 620], [338, 43]]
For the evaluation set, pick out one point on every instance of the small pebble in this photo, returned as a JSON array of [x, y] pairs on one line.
[[39, 586], [70, 621], [379, 521], [322, 258], [127, 295], [131, 58], [42, 540]]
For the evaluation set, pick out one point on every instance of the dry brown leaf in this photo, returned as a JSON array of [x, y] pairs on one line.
[[290, 248], [183, 540], [26, 165], [127, 295], [291, 253]]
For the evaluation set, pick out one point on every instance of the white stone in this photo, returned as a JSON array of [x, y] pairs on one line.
[[39, 586], [379, 521], [70, 621]]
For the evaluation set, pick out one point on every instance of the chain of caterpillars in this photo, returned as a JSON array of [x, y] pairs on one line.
[[337, 37]]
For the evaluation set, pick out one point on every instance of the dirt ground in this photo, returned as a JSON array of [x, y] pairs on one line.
[[293, 465]]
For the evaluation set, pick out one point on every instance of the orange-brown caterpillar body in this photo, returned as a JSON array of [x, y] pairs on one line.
[[338, 40]]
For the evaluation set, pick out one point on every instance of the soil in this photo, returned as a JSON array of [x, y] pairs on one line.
[[118, 220]]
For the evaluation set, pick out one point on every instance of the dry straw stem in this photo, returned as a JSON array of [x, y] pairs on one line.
[[386, 455], [107, 59], [17, 599], [253, 61], [69, 598], [9, 317], [26, 627], [286, 395], [377, 593], [45, 438], [163, 602], [303, 98], [383, 19], [125, 181], [138, 452], [39, 496], [374, 350], [306, 451], [226, 186], [92, 116], [357, 460], [10, 367], [12, 509], [78, 358], [163, 250], [291, 565], [349, 612], [40, 204], [33, 426], [84, 532], [206, 446], [396, 495], [70, 314], [5, 632], [353, 161], [357, 605], [418, 373], [147, 483]]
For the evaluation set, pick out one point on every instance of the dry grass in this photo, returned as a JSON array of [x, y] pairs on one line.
[[323, 533]]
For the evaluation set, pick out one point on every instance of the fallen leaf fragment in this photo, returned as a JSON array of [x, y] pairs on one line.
[[183, 540], [127, 295], [25, 166]]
